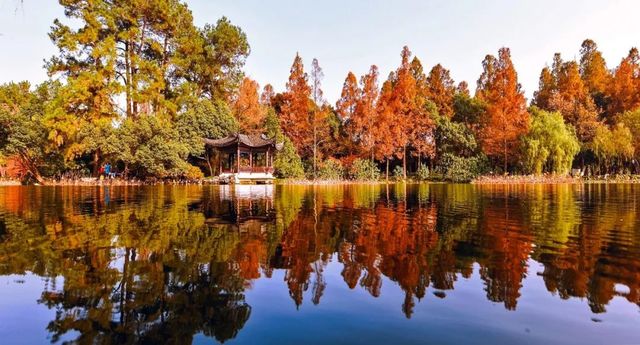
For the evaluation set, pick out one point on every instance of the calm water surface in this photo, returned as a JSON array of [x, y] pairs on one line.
[[405, 264]]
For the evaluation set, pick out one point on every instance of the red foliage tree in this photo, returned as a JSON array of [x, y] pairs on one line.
[[507, 117], [247, 108], [296, 108]]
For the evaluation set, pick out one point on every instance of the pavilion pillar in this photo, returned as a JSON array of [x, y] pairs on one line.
[[250, 161], [238, 160]]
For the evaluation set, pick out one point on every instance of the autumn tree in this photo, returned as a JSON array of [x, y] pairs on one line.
[[573, 100], [363, 124], [385, 139], [418, 74], [624, 92], [594, 72], [403, 113], [546, 88], [247, 108], [441, 89], [507, 116], [346, 108], [349, 97], [296, 108]]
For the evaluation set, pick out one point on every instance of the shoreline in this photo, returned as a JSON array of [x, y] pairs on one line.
[[482, 180], [551, 179]]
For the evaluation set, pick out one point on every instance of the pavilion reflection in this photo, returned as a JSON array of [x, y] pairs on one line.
[[245, 207]]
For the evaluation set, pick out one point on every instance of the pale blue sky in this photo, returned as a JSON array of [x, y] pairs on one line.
[[351, 35]]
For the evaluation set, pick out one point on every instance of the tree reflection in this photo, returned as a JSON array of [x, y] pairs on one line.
[[161, 264]]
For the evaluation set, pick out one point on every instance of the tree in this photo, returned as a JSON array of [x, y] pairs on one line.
[[349, 98], [364, 121], [624, 92], [631, 120], [441, 90], [613, 147], [346, 108], [23, 135], [469, 111], [454, 138], [204, 119], [550, 144], [319, 111], [287, 162], [572, 99], [266, 98], [546, 88], [247, 109], [594, 72], [146, 57], [403, 111], [225, 49], [385, 139], [507, 116], [296, 109]]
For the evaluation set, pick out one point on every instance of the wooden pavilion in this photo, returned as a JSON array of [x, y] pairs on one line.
[[244, 158]]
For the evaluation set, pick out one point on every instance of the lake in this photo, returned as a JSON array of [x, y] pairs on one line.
[[397, 264]]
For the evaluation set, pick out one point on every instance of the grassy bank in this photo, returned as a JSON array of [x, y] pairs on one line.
[[550, 179]]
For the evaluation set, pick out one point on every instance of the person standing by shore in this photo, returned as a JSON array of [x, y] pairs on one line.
[[107, 170]]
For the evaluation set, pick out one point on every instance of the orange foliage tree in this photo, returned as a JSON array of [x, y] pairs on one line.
[[441, 89], [247, 108], [594, 72], [364, 121], [624, 92], [385, 139], [572, 99], [402, 109], [507, 117], [346, 108], [296, 108]]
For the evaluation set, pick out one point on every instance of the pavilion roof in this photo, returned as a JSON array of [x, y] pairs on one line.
[[250, 140]]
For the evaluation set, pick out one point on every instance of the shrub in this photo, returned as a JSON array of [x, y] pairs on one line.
[[398, 173], [423, 172], [287, 163], [364, 170], [331, 169], [462, 169], [193, 173]]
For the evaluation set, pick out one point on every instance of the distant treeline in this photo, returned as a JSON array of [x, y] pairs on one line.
[[138, 85]]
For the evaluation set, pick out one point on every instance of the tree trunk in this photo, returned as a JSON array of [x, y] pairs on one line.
[[31, 168], [96, 162], [404, 162], [505, 157], [127, 71], [387, 174], [206, 156], [315, 144]]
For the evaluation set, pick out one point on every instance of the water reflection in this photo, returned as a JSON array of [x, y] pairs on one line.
[[163, 264]]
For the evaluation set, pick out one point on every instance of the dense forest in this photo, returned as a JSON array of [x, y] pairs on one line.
[[138, 84]]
